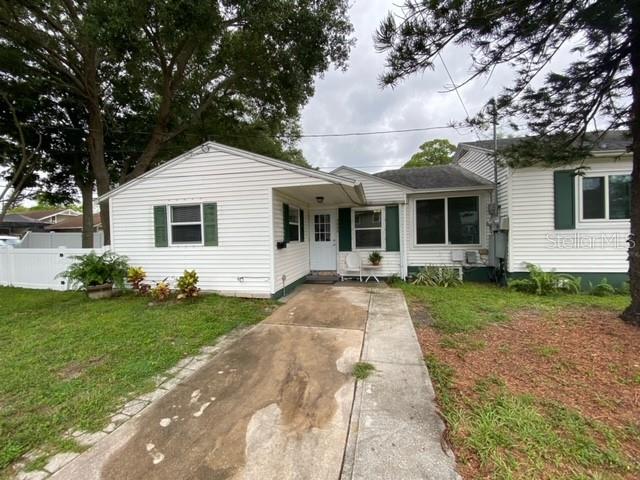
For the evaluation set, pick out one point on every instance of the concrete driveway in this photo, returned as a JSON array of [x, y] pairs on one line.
[[274, 404]]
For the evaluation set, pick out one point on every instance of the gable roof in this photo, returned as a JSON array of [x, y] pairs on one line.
[[435, 178], [40, 214], [610, 141], [372, 176], [73, 223], [210, 146], [22, 219]]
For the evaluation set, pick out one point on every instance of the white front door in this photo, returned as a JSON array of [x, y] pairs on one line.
[[324, 239]]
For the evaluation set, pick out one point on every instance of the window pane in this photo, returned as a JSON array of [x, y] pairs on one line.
[[369, 238], [294, 215], [430, 221], [186, 234], [593, 197], [464, 226], [368, 218], [619, 196], [188, 213], [294, 233]]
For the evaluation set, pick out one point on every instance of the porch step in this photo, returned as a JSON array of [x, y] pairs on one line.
[[322, 277]]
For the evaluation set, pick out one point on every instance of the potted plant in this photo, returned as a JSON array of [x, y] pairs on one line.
[[375, 258], [97, 274]]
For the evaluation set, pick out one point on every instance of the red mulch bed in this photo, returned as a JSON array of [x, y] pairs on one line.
[[585, 359]]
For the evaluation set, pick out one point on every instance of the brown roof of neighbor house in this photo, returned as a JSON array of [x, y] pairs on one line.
[[39, 214], [73, 223]]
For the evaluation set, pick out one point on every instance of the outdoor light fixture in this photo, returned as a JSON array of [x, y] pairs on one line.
[[319, 199]]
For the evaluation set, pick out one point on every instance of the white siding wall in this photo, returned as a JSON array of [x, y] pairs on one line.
[[481, 164], [378, 192], [293, 261], [241, 263], [533, 238], [420, 255]]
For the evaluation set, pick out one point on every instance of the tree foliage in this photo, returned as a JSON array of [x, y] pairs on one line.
[[433, 152], [601, 82], [155, 75]]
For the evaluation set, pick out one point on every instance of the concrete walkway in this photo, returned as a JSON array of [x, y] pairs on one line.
[[280, 403], [395, 431]]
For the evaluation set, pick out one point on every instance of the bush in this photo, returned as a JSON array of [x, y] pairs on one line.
[[437, 276], [188, 285], [544, 283], [625, 288], [136, 276], [602, 289], [161, 291], [92, 269]]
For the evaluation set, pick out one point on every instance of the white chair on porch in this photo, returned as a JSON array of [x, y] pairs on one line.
[[353, 266]]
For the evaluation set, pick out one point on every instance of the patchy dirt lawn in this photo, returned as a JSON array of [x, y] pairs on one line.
[[543, 393]]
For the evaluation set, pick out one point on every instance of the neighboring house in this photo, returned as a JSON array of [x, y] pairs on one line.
[[556, 219], [74, 224], [18, 224], [52, 215], [255, 226]]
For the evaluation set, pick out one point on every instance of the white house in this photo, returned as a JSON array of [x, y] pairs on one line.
[[577, 224], [255, 226]]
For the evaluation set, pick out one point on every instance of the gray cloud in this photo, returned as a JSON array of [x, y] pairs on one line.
[[353, 101]]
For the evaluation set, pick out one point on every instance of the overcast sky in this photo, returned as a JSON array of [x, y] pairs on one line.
[[353, 101]]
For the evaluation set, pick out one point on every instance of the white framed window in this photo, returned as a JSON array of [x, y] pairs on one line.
[[605, 196], [294, 224], [368, 225], [447, 220], [322, 227], [185, 223]]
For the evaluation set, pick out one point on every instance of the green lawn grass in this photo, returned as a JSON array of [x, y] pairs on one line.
[[474, 305], [68, 362], [515, 436]]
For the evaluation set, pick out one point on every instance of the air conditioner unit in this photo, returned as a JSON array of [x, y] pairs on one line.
[[457, 256], [473, 257]]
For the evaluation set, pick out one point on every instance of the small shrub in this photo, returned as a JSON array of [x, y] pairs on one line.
[[362, 370], [136, 276], [92, 269], [161, 291], [188, 285], [437, 276], [394, 279], [544, 283], [625, 288], [375, 258], [602, 289]]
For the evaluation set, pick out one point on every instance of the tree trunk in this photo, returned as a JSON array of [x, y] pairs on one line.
[[632, 312], [96, 139], [86, 189]]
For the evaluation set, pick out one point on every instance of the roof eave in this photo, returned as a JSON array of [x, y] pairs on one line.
[[453, 189]]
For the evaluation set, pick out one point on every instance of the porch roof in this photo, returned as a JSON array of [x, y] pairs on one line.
[[329, 194]]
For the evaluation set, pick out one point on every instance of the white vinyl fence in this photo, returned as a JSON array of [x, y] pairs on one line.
[[37, 267], [58, 239]]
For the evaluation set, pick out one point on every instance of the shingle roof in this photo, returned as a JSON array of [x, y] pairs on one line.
[[610, 141], [38, 214], [21, 218], [438, 177], [73, 223]]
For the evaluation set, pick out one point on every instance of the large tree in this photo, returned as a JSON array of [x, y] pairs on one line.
[[601, 83], [433, 152], [162, 64]]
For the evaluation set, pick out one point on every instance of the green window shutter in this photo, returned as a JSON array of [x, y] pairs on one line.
[[392, 220], [344, 229], [160, 226], [210, 222], [285, 222], [301, 225], [564, 207]]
